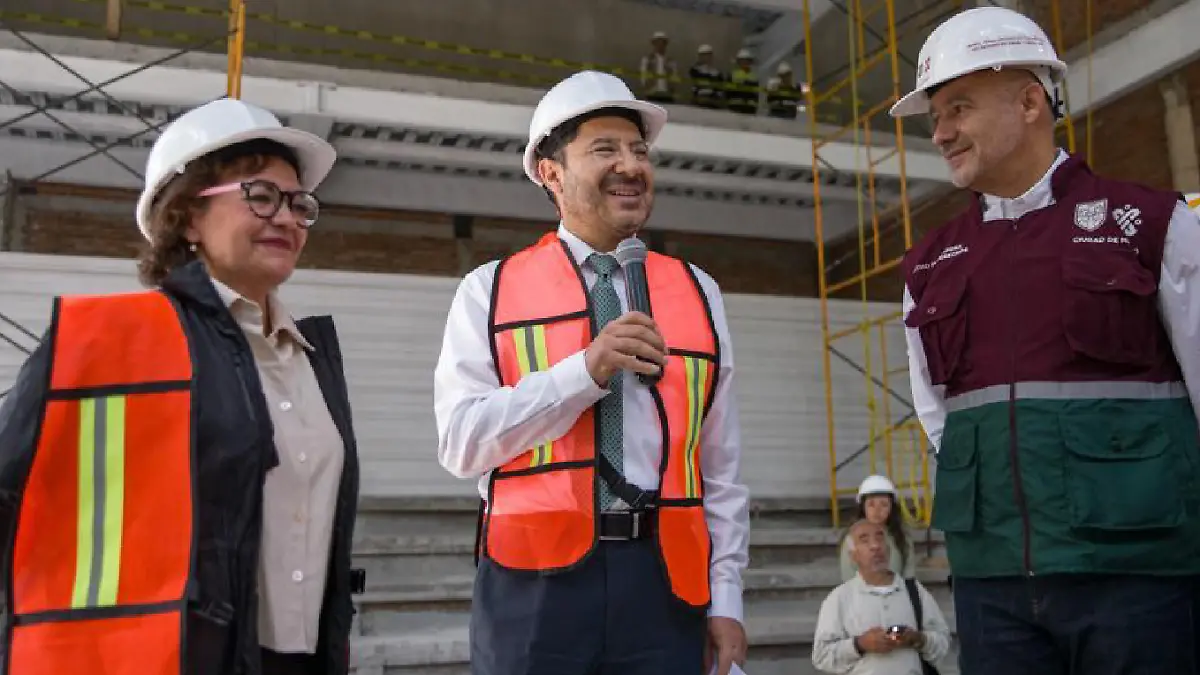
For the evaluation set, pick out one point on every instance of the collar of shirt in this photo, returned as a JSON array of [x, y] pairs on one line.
[[250, 316], [579, 249], [1037, 197], [863, 587]]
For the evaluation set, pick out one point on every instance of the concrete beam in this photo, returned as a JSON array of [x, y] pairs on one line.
[[380, 188], [189, 87], [1144, 54], [769, 5], [118, 126], [1181, 134], [783, 36]]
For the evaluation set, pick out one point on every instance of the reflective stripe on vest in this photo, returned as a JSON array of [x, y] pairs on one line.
[[541, 506], [103, 543]]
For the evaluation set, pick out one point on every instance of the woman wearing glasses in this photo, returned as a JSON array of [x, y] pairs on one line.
[[195, 439]]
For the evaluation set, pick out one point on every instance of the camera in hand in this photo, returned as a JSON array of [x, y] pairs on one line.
[[631, 254]]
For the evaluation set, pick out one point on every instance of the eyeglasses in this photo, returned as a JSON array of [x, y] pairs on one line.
[[266, 198]]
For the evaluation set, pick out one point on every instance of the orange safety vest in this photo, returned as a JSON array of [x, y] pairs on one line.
[[103, 544], [541, 511]]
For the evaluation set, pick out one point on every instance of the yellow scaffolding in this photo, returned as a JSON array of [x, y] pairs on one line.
[[895, 447]]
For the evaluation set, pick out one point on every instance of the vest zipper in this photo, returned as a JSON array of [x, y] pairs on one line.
[[1014, 454]]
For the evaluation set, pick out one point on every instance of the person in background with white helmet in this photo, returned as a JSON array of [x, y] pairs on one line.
[[179, 464], [706, 79], [783, 96], [1054, 346], [605, 442], [878, 503], [659, 73], [741, 93]]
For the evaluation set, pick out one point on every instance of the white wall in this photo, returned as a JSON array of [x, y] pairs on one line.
[[391, 328]]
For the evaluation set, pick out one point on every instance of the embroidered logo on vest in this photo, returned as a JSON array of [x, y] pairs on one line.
[[1128, 218], [951, 251], [1089, 216]]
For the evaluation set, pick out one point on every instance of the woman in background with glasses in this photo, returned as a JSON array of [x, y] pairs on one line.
[[226, 211]]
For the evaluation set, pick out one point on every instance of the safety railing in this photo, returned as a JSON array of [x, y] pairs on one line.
[[138, 21]]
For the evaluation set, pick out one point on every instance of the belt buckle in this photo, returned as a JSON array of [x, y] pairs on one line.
[[635, 529]]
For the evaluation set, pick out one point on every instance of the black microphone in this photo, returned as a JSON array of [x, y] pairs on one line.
[[631, 255]]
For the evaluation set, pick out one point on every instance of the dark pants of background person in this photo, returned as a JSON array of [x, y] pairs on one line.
[[1078, 625], [275, 663], [613, 615]]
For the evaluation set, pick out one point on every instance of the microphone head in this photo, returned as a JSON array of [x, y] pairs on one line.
[[631, 250]]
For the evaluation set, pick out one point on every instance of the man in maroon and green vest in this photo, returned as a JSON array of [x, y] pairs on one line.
[[1054, 347]]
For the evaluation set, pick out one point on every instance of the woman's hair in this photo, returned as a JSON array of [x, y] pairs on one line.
[[177, 203], [894, 524]]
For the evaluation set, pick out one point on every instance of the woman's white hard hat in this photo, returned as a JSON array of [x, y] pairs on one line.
[[217, 125], [876, 485], [582, 93], [979, 39]]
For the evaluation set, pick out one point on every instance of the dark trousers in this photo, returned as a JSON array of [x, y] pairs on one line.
[[275, 663], [613, 615], [1078, 625]]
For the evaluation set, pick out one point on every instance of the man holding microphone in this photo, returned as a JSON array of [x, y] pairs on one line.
[[614, 530]]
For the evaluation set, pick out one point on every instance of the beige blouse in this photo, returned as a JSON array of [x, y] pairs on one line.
[[300, 494]]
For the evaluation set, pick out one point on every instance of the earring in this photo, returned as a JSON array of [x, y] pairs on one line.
[[192, 247]]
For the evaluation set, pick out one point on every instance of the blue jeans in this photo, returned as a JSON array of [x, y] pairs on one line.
[[1078, 625]]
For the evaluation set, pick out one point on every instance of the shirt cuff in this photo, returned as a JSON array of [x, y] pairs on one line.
[[726, 601], [574, 382], [849, 654]]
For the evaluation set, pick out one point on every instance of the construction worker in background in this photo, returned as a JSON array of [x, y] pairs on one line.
[[879, 503], [178, 468], [614, 529], [783, 96], [706, 79], [659, 72], [1054, 346], [742, 93]]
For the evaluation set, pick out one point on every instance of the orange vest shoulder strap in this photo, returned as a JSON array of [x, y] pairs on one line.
[[685, 394], [540, 284], [102, 551]]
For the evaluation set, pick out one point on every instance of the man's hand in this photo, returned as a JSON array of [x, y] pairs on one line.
[[876, 641], [617, 347], [727, 641], [913, 639]]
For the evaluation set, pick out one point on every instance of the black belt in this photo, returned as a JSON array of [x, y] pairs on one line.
[[626, 525]]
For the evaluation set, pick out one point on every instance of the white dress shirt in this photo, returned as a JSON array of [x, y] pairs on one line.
[[1178, 300], [482, 426], [300, 494]]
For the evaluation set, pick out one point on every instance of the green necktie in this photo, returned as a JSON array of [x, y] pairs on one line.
[[607, 306]]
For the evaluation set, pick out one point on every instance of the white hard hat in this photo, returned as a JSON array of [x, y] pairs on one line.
[[784, 68], [744, 54], [876, 485], [659, 35], [581, 93], [217, 125], [704, 49], [977, 39]]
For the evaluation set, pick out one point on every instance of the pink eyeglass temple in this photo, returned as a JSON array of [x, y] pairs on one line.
[[220, 189]]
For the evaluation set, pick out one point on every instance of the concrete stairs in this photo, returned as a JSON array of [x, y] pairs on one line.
[[414, 616]]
